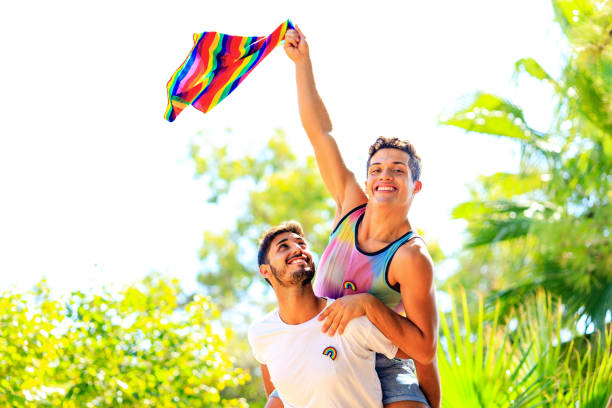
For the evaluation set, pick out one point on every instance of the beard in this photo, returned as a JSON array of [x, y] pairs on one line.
[[301, 277]]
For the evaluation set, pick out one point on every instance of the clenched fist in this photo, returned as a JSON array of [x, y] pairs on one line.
[[296, 46]]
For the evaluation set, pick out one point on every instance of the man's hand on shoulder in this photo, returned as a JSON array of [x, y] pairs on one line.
[[342, 311]]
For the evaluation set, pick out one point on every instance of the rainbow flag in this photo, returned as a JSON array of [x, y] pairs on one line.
[[216, 65]]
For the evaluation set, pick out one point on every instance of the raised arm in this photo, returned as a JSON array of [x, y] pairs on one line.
[[338, 179]]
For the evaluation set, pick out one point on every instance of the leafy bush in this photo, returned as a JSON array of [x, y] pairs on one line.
[[137, 348]]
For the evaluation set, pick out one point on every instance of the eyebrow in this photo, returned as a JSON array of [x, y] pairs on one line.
[[281, 241], [300, 240], [395, 162]]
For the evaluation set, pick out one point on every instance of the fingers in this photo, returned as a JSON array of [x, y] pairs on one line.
[[295, 45], [297, 28], [329, 314], [325, 313], [343, 323], [333, 315], [332, 322], [292, 38], [334, 325]]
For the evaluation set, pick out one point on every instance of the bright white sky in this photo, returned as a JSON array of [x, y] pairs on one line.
[[97, 188]]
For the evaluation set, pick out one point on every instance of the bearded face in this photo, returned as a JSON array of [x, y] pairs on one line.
[[286, 276], [290, 261]]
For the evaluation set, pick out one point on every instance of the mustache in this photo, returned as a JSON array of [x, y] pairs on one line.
[[308, 258]]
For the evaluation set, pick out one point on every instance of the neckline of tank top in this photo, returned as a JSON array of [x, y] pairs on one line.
[[407, 234]]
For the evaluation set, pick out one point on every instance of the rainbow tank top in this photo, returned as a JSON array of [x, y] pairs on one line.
[[345, 269]]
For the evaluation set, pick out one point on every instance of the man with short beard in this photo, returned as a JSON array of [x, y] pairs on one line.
[[308, 367]]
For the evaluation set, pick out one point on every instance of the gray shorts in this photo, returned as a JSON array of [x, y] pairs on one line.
[[398, 380]]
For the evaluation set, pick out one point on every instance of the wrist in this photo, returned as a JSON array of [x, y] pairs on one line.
[[303, 62], [368, 301]]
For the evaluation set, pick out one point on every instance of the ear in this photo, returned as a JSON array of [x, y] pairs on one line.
[[417, 186], [365, 187], [265, 271]]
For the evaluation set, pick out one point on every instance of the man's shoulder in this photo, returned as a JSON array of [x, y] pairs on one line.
[[412, 260], [264, 325], [414, 253], [262, 334]]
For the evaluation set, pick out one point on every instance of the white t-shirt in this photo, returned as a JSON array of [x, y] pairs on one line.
[[311, 369]]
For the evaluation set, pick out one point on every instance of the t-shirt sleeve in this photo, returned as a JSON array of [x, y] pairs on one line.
[[376, 341], [369, 338], [256, 347]]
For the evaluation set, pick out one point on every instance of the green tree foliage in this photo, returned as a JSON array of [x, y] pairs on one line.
[[520, 361], [549, 224], [279, 187], [136, 349]]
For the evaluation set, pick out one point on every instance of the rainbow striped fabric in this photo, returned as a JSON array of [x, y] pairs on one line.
[[216, 65]]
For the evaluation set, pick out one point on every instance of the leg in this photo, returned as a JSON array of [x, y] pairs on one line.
[[399, 385], [429, 381], [406, 404], [274, 402]]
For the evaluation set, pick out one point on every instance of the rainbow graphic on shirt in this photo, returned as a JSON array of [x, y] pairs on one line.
[[350, 285], [330, 352]]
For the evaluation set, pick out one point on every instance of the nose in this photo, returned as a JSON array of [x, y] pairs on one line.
[[297, 251], [386, 174]]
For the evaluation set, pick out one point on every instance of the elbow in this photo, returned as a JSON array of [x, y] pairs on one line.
[[426, 357], [427, 352], [430, 354]]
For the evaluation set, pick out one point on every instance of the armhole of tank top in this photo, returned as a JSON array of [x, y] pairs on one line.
[[409, 238], [345, 217]]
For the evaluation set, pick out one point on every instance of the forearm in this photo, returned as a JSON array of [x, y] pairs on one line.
[[265, 376], [274, 402], [313, 114], [401, 331], [429, 381]]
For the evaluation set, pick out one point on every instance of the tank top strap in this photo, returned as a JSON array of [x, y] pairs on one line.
[[349, 218], [390, 253]]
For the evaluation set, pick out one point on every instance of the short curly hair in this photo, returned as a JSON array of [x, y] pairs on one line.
[[414, 161]]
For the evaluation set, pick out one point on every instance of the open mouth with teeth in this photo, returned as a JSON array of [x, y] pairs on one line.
[[386, 188], [298, 259]]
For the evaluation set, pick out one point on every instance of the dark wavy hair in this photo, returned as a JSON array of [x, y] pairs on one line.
[[414, 162]]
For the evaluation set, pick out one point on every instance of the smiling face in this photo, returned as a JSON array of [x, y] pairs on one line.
[[389, 179], [289, 261]]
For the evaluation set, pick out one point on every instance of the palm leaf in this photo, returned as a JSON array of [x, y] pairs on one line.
[[493, 368]]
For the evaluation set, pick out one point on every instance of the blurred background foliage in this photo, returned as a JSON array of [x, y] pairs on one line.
[[528, 316], [548, 225], [133, 348]]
